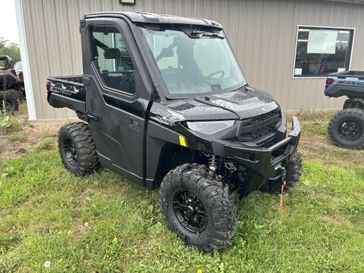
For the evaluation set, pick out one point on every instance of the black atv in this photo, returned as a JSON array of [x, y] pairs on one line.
[[346, 128], [11, 86], [164, 103]]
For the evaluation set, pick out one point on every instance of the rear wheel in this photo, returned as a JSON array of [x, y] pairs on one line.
[[354, 103], [346, 129], [77, 149], [10, 100], [198, 207]]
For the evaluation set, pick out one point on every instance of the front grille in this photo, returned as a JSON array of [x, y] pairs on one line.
[[260, 128]]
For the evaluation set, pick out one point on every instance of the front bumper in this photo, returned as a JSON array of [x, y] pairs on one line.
[[262, 163]]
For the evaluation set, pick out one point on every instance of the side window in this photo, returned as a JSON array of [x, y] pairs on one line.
[[112, 59]]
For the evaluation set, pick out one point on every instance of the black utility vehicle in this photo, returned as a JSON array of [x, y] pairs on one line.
[[346, 128], [11, 86], [165, 103]]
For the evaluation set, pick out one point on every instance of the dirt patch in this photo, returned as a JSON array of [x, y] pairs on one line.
[[14, 143]]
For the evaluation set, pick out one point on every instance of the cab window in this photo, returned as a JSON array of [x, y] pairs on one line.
[[112, 59]]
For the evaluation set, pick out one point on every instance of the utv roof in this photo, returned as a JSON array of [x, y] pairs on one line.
[[153, 18], [5, 57]]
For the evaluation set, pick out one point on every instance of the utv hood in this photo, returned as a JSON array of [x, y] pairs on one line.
[[240, 104]]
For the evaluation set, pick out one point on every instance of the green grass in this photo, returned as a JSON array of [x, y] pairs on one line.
[[17, 137], [45, 144], [103, 223]]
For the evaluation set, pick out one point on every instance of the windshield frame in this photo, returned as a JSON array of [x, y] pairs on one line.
[[162, 85]]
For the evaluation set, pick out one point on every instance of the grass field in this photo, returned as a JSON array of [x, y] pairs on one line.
[[54, 222]]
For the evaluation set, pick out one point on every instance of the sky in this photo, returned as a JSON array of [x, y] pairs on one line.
[[8, 28]]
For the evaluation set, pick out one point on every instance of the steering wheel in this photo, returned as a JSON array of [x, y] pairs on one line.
[[214, 73]]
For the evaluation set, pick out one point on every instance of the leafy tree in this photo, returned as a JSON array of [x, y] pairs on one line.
[[9, 48]]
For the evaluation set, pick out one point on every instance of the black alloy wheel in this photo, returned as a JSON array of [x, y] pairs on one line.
[[346, 128], [70, 151], [189, 211], [198, 207], [349, 130]]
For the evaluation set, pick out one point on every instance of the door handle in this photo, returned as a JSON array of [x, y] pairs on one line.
[[134, 124], [93, 117]]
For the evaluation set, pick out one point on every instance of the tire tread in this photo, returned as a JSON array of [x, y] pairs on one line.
[[80, 134], [333, 123], [224, 210]]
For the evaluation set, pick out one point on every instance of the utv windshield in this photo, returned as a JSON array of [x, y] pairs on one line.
[[194, 61]]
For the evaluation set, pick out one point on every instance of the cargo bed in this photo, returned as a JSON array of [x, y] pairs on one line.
[[67, 92], [348, 83]]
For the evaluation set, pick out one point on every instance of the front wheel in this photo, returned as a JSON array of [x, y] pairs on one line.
[[198, 207], [346, 129]]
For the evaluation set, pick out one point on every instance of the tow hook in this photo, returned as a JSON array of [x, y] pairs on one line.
[[283, 185], [283, 172]]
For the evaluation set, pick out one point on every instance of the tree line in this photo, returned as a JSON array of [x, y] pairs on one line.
[[9, 48]]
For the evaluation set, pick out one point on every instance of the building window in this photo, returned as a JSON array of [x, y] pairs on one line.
[[321, 51]]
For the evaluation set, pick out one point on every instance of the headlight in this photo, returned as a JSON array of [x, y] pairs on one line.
[[210, 127]]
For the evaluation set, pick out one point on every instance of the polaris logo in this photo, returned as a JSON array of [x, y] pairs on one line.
[[62, 91]]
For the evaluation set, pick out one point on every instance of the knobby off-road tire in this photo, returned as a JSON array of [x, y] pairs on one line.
[[77, 149], [346, 128], [207, 217], [10, 99], [354, 103], [294, 170]]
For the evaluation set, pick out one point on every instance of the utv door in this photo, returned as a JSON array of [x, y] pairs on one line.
[[116, 97]]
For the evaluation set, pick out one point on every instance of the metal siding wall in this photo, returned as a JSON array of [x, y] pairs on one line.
[[262, 34]]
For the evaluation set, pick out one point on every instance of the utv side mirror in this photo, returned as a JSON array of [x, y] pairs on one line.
[[86, 81], [112, 53], [165, 52]]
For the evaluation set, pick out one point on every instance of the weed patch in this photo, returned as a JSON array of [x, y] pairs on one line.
[[17, 137], [8, 122]]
